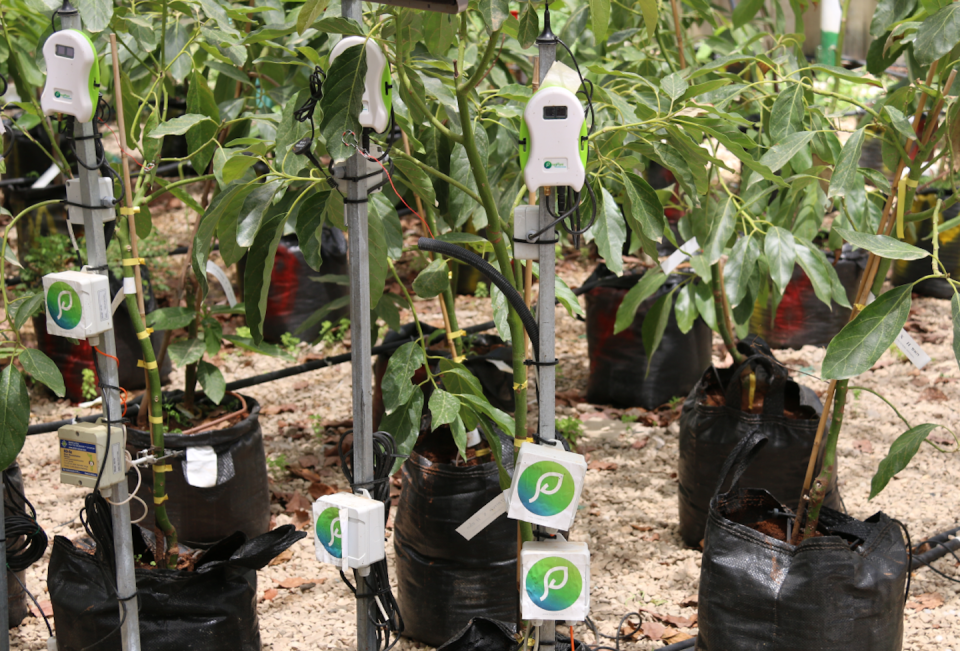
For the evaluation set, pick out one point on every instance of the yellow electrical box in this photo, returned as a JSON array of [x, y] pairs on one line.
[[83, 450]]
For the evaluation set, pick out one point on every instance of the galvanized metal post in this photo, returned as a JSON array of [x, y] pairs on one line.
[[355, 212], [109, 373], [546, 312]]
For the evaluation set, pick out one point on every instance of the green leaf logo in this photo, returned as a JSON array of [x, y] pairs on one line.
[[547, 165], [63, 305], [553, 583], [546, 488], [329, 532]]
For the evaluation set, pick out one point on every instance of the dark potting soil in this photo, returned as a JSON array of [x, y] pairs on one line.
[[206, 413], [792, 409], [438, 447], [775, 528]]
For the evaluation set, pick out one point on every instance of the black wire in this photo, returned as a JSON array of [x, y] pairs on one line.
[[583, 82], [26, 540], [5, 85], [305, 112], [906, 533], [35, 603]]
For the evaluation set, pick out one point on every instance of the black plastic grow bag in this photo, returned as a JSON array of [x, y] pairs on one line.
[[240, 500], [213, 608], [443, 580], [918, 234], [842, 590], [708, 433], [618, 362]]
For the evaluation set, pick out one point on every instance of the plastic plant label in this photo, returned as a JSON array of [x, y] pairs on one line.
[[907, 344], [201, 466], [680, 255], [484, 517]]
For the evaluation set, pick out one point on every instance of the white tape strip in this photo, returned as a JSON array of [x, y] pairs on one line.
[[907, 344], [221, 276], [484, 517], [130, 285], [679, 256], [117, 300]]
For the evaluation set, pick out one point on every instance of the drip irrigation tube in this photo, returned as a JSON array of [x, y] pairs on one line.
[[133, 407], [686, 644], [495, 277], [941, 545]]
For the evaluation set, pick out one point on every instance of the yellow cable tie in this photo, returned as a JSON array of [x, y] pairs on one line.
[[860, 307], [911, 182], [163, 468], [156, 420], [457, 334], [145, 334], [130, 211], [133, 262], [459, 359], [147, 365], [901, 192], [160, 500], [482, 453], [518, 386], [450, 275]]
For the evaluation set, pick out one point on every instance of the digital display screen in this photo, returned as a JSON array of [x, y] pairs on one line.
[[554, 112], [64, 51]]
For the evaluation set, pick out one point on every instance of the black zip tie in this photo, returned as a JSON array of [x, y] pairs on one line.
[[521, 240], [80, 205], [102, 267], [133, 596], [530, 362], [345, 200]]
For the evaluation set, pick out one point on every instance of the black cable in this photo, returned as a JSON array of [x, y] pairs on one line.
[[906, 593], [305, 112], [35, 603], [5, 85], [26, 540], [378, 580]]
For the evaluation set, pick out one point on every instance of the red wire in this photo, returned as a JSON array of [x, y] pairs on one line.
[[118, 366], [389, 178]]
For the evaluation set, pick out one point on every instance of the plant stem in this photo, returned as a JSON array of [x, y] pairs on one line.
[[724, 321], [190, 382], [678, 28], [154, 401], [822, 483]]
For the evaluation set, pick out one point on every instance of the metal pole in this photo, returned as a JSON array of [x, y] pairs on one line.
[[356, 218], [546, 312], [4, 595], [109, 373]]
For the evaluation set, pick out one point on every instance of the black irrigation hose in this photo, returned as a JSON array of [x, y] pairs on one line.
[[495, 277], [941, 545], [133, 406], [686, 644]]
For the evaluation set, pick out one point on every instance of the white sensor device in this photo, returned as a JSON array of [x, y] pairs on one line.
[[377, 96], [73, 75], [78, 304], [83, 451], [546, 486], [553, 145], [556, 581], [348, 530]]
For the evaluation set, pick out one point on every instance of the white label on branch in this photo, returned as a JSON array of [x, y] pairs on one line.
[[484, 517], [907, 344], [200, 467], [679, 256]]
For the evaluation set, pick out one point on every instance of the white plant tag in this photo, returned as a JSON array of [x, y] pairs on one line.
[[484, 517], [473, 437], [200, 466], [907, 344], [679, 256], [221, 276]]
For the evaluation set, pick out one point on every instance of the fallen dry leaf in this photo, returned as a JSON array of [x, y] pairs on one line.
[[601, 465], [640, 527], [864, 446], [639, 444], [301, 520], [308, 461], [319, 489], [925, 600], [304, 473], [653, 630], [283, 557], [690, 602], [676, 636], [932, 394], [270, 594], [298, 502], [681, 622], [273, 410], [292, 582]]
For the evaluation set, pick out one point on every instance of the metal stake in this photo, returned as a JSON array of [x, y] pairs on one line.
[[356, 218], [546, 312], [109, 373]]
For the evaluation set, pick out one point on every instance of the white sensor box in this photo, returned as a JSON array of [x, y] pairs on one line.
[[78, 304], [83, 449], [377, 103], [73, 74], [554, 125], [526, 220], [348, 530], [556, 581], [546, 486]]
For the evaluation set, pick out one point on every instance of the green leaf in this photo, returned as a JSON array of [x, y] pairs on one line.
[[644, 209], [96, 16], [211, 379], [599, 18], [309, 13], [495, 12], [445, 408], [14, 414], [861, 342], [899, 122], [706, 307], [740, 269], [200, 101], [781, 153], [171, 318], [41, 368], [882, 245], [722, 231], [813, 266], [937, 35], [341, 102], [566, 297], [178, 126], [781, 255], [610, 232], [397, 386], [26, 308], [259, 266], [339, 25], [186, 351], [846, 173], [262, 348], [458, 379], [674, 86], [652, 280], [955, 314], [889, 12], [651, 14], [530, 25], [377, 255], [309, 228], [654, 325], [381, 207], [433, 280], [254, 207], [404, 424], [786, 116], [458, 431], [468, 240], [854, 76], [417, 180], [899, 456], [235, 167], [685, 308], [481, 404], [501, 313], [745, 11]]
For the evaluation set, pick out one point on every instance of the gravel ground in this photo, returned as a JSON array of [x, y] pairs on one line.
[[638, 562]]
